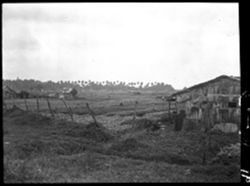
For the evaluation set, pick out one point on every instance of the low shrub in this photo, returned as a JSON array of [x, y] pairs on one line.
[[228, 155], [20, 171]]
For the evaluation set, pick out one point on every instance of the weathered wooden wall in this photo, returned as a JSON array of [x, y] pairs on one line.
[[223, 94]]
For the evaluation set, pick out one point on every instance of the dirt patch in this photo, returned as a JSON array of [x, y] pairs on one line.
[[132, 148], [51, 146], [190, 125], [21, 117], [146, 124], [130, 144], [13, 112], [141, 124], [177, 159], [90, 131], [152, 154], [110, 114], [165, 117], [140, 114], [19, 171], [219, 172], [32, 120], [97, 133]]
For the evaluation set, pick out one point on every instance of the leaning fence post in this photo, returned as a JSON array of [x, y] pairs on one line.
[[91, 112], [51, 112], [69, 110], [71, 113]]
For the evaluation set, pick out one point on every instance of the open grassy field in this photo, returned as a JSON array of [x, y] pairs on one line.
[[101, 103], [38, 148]]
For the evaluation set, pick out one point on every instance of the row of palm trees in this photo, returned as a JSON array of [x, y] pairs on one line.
[[38, 86], [108, 83]]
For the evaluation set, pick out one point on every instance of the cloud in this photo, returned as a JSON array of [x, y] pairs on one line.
[[24, 43], [19, 37], [38, 13]]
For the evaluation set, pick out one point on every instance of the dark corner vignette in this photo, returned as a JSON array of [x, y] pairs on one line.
[[245, 96]]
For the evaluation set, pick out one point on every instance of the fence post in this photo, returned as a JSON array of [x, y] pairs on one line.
[[91, 112], [169, 107], [134, 116], [5, 105], [71, 114], [37, 105], [51, 112], [69, 110], [26, 105], [208, 124]]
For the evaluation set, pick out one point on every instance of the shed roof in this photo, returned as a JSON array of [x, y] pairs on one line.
[[200, 85]]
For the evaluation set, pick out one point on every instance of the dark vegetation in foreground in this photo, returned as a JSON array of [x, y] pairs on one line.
[[40, 149]]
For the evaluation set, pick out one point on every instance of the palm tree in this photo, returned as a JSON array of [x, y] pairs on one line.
[[141, 84], [82, 83]]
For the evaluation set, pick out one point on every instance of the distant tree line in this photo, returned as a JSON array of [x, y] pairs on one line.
[[38, 86]]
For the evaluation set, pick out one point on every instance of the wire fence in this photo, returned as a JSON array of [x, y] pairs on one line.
[[76, 111]]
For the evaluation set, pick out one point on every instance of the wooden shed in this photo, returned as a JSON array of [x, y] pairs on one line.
[[223, 92]]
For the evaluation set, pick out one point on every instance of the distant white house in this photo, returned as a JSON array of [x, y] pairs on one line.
[[68, 93], [53, 95]]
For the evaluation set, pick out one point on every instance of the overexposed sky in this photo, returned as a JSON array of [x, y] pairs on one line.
[[177, 43]]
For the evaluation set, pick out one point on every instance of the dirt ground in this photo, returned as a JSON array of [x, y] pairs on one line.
[[41, 149]]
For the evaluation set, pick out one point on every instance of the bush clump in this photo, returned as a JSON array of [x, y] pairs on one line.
[[20, 171], [129, 144], [141, 124], [228, 155]]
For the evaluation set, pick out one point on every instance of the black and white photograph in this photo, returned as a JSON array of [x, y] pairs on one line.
[[121, 92]]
